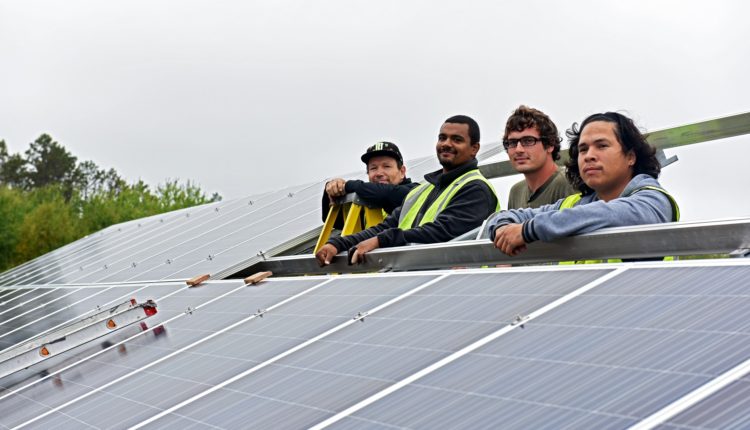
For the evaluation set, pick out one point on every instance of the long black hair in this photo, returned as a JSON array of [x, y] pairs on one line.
[[630, 139]]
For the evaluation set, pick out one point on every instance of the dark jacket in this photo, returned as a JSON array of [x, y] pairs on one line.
[[471, 205], [386, 196]]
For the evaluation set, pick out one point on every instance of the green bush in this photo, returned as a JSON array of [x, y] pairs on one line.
[[47, 200]]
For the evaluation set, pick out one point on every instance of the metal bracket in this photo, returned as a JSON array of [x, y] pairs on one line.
[[519, 320], [663, 160], [360, 316]]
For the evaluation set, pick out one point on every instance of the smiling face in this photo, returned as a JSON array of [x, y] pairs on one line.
[[454, 146], [602, 164], [529, 159], [383, 169]]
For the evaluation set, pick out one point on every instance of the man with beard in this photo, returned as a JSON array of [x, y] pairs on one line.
[[452, 201]]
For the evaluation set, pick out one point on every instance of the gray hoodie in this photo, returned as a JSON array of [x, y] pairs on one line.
[[548, 222]]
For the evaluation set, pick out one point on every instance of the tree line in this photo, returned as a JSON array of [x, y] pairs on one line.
[[48, 199]]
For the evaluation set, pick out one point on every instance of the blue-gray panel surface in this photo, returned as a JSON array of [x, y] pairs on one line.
[[330, 375], [22, 297], [95, 300], [152, 345], [194, 370], [606, 359], [155, 292], [728, 408], [48, 299]]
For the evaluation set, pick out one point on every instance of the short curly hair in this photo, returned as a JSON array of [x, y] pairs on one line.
[[630, 139], [526, 117], [473, 126]]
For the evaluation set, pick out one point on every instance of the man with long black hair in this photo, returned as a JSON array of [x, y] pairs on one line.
[[614, 168]]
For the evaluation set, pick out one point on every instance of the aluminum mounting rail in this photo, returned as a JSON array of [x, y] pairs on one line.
[[730, 236], [76, 334]]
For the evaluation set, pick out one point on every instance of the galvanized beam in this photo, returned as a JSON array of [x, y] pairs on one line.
[[640, 243]]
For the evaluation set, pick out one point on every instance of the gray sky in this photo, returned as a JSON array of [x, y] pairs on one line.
[[250, 96]]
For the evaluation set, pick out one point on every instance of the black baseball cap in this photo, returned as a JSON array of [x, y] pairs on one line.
[[383, 148]]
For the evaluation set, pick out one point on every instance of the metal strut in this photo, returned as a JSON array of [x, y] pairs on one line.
[[78, 333]]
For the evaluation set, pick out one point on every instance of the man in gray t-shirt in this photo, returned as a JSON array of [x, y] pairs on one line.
[[533, 145]]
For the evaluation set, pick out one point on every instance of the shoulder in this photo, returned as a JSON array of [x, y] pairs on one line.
[[643, 183], [409, 185], [519, 186], [560, 183]]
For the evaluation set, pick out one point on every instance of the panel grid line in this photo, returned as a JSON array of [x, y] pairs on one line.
[[90, 357], [292, 350], [179, 351], [469, 348], [694, 397]]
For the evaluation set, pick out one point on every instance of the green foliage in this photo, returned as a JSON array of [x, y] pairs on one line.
[[47, 199], [13, 208], [50, 163], [47, 226]]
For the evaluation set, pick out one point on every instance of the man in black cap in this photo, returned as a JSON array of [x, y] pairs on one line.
[[452, 201], [388, 182]]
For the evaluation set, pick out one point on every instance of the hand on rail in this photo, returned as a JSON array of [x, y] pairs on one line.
[[508, 239], [357, 253], [326, 254]]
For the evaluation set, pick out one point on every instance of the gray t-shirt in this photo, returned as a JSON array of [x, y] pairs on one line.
[[556, 188]]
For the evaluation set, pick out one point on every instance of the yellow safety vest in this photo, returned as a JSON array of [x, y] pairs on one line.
[[416, 198], [572, 199]]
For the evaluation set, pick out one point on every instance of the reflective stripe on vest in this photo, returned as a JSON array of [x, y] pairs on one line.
[[416, 198], [573, 199]]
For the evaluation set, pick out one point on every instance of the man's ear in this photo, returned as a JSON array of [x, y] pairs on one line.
[[403, 171], [475, 148], [630, 156]]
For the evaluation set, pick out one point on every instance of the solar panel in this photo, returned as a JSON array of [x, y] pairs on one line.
[[605, 359], [63, 312], [728, 408], [219, 358], [365, 358], [578, 346], [219, 238]]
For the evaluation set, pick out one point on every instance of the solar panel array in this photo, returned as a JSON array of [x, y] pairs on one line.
[[219, 238], [603, 346]]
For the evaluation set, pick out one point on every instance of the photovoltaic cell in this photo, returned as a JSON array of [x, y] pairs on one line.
[[605, 359], [728, 408], [365, 358], [95, 300], [194, 323], [192, 371]]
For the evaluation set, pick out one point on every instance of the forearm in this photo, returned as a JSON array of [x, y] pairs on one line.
[[515, 216], [345, 242], [646, 207]]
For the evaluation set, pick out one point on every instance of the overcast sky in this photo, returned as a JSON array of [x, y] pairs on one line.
[[250, 96]]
